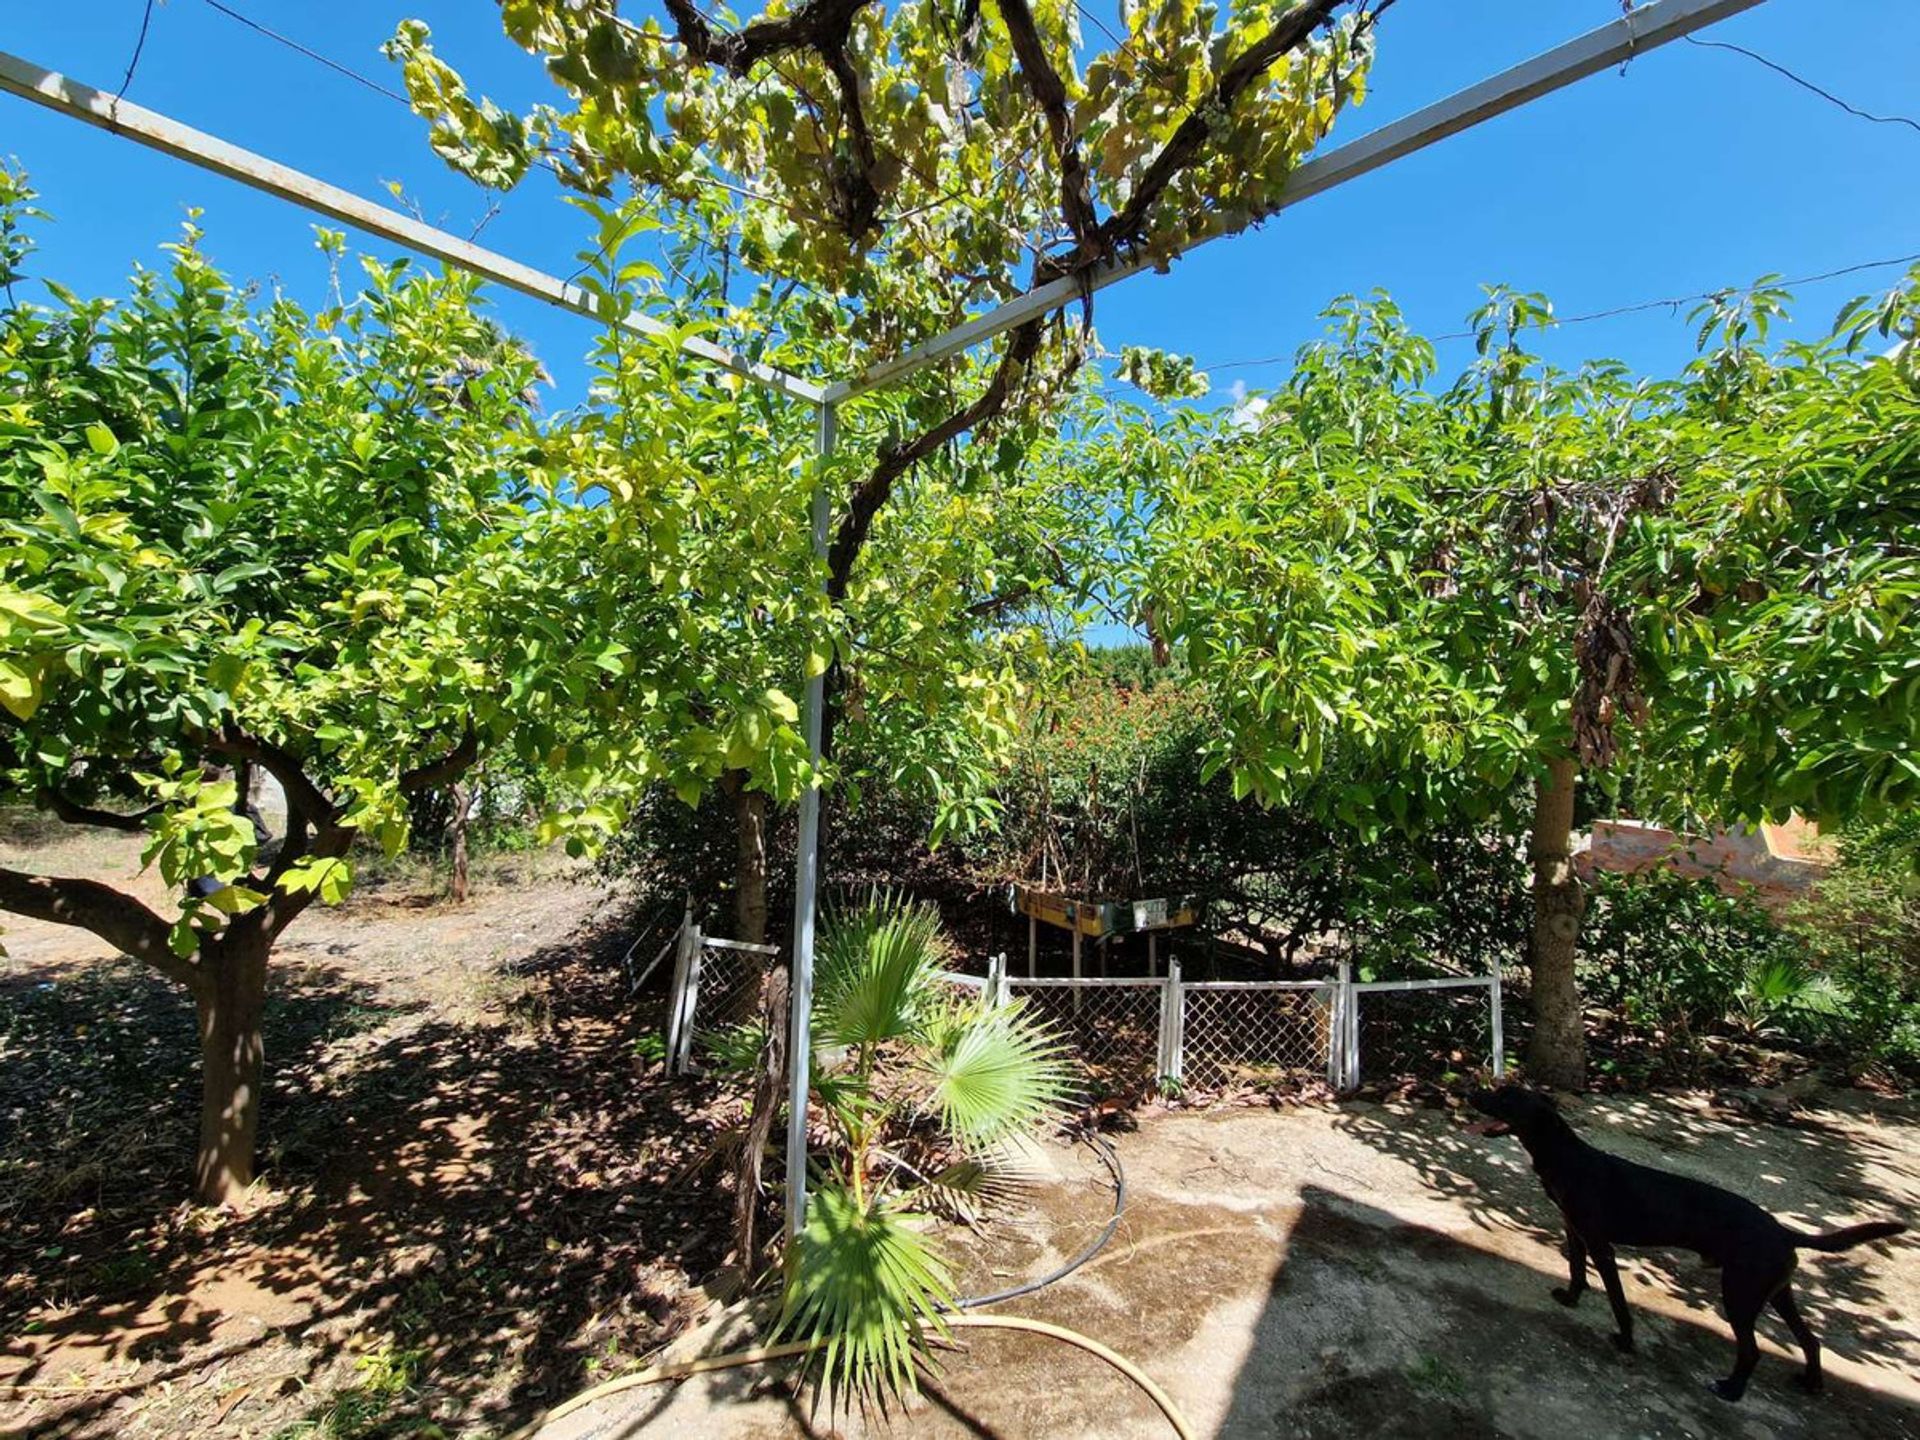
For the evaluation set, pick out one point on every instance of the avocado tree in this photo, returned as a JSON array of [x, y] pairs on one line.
[[1530, 573], [899, 166], [689, 485], [236, 538]]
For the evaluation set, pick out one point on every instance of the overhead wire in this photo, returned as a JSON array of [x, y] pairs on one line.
[[314, 55], [139, 49], [1804, 83], [1670, 302]]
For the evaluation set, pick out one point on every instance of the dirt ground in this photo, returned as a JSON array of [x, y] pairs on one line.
[[480, 1196], [474, 1193], [1365, 1270]]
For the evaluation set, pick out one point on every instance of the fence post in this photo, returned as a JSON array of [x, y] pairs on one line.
[[1349, 1041], [677, 995], [691, 999], [1173, 1023], [1499, 1030], [1336, 1027]]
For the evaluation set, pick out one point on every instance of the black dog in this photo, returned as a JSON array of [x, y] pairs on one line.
[[1607, 1201]]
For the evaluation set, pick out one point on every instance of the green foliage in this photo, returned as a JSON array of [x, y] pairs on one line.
[[933, 1086], [989, 1074], [1161, 375], [868, 1282], [1111, 795], [913, 194], [220, 514], [1782, 582], [1674, 960], [1669, 954], [1445, 583], [1860, 929], [706, 612], [386, 1376], [873, 977]]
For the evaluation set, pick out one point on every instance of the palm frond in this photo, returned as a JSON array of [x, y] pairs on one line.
[[865, 1283], [733, 1049], [993, 1071], [969, 1187], [873, 971]]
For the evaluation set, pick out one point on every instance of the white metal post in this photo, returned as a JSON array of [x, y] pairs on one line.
[[1499, 1036], [1076, 961], [689, 999], [1176, 1022], [1348, 1008], [1336, 1014], [677, 995], [806, 879]]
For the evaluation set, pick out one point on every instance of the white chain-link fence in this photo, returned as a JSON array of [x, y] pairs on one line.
[[1254, 1032], [1428, 1029], [1129, 1036], [1113, 1028], [716, 994]]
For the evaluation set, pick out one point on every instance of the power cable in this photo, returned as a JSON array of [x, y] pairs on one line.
[[313, 55], [139, 48], [1804, 83], [1668, 303]]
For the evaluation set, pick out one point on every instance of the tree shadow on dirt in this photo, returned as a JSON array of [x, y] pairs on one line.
[[1466, 1342], [99, 1113], [496, 1211], [1811, 1175]]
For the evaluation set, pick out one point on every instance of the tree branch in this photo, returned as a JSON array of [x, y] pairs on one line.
[[1289, 32], [823, 27], [803, 28], [116, 918], [1023, 344], [449, 767], [1050, 94], [74, 813], [303, 796]]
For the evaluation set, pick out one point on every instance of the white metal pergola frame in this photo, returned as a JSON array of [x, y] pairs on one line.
[[1637, 31]]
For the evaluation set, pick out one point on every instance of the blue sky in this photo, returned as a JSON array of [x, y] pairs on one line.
[[1692, 170]]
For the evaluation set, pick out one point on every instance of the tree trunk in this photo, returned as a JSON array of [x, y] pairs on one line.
[[231, 1004], [1558, 1055], [768, 1082], [750, 863], [462, 802]]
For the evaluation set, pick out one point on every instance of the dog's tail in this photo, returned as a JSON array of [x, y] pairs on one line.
[[1851, 1236]]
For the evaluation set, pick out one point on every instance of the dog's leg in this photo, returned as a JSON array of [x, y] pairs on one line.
[[1743, 1295], [1576, 1270], [1617, 1297], [1784, 1307]]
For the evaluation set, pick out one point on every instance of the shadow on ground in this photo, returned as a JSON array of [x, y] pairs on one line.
[[1465, 1342], [470, 1220], [1808, 1173]]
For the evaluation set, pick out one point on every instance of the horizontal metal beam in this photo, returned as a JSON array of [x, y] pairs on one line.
[[122, 117], [1645, 28]]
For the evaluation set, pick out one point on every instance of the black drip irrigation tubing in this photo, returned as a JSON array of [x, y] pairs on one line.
[[1112, 1161]]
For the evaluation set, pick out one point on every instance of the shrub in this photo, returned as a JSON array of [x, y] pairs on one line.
[[932, 1087]]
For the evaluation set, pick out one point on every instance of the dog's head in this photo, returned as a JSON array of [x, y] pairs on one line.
[[1514, 1110]]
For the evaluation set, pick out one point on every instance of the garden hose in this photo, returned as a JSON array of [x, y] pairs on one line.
[[760, 1355], [662, 1374], [1112, 1160]]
